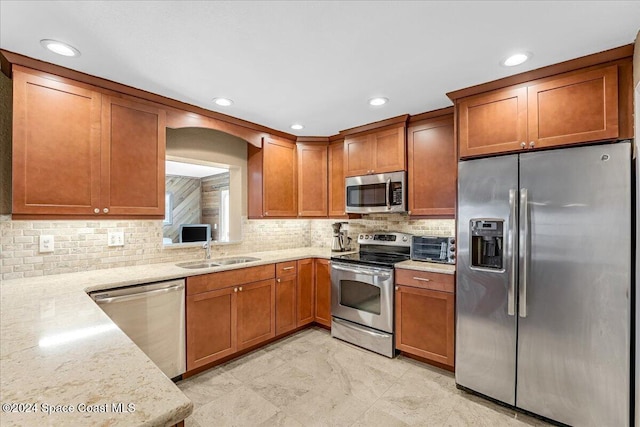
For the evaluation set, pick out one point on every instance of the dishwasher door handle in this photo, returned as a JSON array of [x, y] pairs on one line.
[[138, 295]]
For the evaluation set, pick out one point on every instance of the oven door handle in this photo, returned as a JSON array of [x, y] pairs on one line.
[[368, 272]]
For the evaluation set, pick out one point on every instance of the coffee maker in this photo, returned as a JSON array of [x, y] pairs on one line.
[[341, 241]]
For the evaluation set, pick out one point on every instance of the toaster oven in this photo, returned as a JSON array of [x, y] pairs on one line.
[[433, 249]]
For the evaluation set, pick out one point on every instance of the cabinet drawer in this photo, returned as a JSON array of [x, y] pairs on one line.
[[426, 280], [286, 268], [224, 279]]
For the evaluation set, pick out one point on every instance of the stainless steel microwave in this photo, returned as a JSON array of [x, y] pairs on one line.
[[380, 193]]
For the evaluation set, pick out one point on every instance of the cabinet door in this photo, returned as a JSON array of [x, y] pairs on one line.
[[432, 168], [323, 292], [133, 158], [211, 326], [389, 150], [493, 122], [425, 323], [56, 146], [305, 292], [312, 180], [358, 155], [336, 179], [256, 313], [286, 309], [578, 108], [279, 178]]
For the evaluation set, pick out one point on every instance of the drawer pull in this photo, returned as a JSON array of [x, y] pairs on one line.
[[422, 279], [287, 268]]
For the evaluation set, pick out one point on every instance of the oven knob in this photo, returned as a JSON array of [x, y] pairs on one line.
[[404, 239], [361, 236], [367, 236], [452, 248], [452, 241]]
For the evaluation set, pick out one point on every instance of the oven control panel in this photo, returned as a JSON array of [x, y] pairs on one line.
[[387, 239]]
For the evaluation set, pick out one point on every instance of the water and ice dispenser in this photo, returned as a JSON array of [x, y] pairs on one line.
[[487, 243]]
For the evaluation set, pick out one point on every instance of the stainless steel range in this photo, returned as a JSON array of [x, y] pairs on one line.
[[362, 291]]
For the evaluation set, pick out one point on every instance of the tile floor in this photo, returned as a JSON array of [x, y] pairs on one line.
[[311, 379]]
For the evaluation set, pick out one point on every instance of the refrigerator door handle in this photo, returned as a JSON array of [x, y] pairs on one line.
[[513, 253], [524, 251]]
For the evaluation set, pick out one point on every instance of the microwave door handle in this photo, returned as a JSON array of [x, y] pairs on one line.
[[388, 194]]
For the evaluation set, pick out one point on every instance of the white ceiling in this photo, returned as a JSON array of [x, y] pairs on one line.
[[313, 62]]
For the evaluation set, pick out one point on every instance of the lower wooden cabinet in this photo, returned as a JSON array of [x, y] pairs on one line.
[[425, 322], [211, 326], [323, 292], [230, 311], [256, 313], [227, 312], [304, 294], [286, 289]]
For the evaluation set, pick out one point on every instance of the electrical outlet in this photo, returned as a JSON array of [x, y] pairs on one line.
[[115, 238], [47, 243]]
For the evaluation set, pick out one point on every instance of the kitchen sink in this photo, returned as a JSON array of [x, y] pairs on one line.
[[236, 260], [197, 264], [216, 262]]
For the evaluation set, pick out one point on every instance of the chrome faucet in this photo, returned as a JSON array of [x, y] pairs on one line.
[[207, 250]]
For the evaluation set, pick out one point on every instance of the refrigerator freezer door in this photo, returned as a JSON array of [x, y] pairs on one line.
[[485, 331], [574, 343]]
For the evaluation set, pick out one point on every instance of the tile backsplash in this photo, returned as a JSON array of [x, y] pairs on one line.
[[82, 245]]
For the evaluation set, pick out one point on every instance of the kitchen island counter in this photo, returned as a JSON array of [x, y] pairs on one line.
[[64, 362]]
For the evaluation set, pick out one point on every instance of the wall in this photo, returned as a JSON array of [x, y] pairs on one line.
[[186, 199], [6, 99], [322, 232], [82, 245], [214, 147], [211, 187]]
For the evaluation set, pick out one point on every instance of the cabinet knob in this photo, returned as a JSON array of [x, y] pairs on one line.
[[105, 210], [266, 213], [523, 144], [235, 289], [397, 288], [96, 210], [278, 280], [532, 144], [240, 288]]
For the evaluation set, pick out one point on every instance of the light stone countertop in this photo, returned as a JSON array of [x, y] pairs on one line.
[[432, 267], [57, 347]]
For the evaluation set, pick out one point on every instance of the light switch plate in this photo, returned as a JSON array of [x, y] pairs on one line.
[[115, 238], [47, 243]]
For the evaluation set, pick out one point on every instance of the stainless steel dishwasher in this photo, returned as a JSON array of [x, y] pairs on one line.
[[153, 317]]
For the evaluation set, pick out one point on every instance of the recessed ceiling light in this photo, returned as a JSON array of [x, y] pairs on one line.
[[378, 101], [223, 102], [297, 126], [59, 47], [515, 59]]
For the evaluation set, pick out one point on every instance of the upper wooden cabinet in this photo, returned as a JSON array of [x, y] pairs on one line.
[[312, 179], [79, 152], [336, 179], [273, 183], [133, 157], [56, 147], [375, 152], [571, 108], [432, 167]]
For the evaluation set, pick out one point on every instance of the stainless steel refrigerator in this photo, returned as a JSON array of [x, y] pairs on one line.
[[543, 292]]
